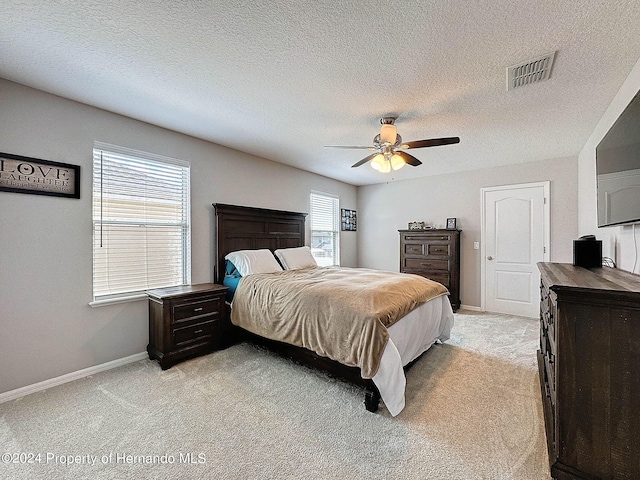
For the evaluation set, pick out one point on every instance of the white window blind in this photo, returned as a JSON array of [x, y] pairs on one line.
[[325, 229], [141, 222]]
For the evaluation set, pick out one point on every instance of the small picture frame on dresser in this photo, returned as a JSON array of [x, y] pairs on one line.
[[451, 223]]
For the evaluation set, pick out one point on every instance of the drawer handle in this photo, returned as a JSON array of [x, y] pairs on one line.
[[425, 264], [198, 309], [197, 331]]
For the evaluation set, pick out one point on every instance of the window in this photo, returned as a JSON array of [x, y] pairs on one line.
[[325, 231], [141, 223]]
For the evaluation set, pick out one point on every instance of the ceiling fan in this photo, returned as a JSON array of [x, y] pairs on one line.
[[388, 148]]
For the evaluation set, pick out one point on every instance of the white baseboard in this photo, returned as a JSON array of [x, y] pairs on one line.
[[70, 377], [471, 307]]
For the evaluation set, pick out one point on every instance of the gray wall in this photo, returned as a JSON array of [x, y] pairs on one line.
[[48, 328], [45, 242], [618, 243], [387, 208]]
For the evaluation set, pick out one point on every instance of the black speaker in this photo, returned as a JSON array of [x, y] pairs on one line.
[[587, 252]]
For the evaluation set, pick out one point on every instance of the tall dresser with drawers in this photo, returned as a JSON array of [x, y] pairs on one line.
[[589, 366], [434, 254]]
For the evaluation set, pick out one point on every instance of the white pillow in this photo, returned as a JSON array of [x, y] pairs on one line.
[[254, 261], [296, 258]]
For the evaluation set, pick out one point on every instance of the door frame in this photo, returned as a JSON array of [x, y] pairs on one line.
[[546, 227]]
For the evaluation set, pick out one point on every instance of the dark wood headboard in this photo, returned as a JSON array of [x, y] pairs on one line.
[[248, 228]]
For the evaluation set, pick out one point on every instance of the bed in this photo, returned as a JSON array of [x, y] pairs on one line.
[[241, 228]]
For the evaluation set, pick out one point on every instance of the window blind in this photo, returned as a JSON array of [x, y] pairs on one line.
[[141, 222], [325, 232]]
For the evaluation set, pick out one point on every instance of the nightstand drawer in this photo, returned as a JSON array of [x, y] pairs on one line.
[[423, 263], [193, 333], [193, 309]]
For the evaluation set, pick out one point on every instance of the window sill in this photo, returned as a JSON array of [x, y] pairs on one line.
[[116, 300]]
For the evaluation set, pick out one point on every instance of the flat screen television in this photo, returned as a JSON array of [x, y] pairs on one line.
[[618, 169]]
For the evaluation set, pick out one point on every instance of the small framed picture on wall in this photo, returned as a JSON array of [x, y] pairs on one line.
[[451, 223], [349, 220]]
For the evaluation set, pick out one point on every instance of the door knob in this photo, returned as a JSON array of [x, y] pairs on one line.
[[489, 257]]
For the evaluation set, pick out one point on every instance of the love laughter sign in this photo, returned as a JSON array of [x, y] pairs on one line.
[[40, 177]]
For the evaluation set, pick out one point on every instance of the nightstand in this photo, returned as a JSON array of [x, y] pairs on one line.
[[186, 321]]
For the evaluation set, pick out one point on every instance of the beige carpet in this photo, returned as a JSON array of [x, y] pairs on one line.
[[473, 412]]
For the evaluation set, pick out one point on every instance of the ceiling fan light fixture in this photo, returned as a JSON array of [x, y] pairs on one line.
[[397, 162], [388, 133], [390, 148], [378, 162]]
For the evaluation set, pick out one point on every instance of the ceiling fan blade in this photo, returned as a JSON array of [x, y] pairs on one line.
[[433, 142], [409, 159], [364, 160], [350, 147]]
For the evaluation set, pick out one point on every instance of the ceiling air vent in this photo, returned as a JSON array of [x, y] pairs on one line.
[[533, 71]]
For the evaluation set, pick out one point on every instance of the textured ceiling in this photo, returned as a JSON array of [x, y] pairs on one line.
[[280, 79]]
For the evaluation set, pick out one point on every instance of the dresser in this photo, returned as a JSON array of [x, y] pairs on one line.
[[186, 321], [589, 366], [434, 254]]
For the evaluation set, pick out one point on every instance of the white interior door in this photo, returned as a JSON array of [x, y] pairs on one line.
[[515, 238]]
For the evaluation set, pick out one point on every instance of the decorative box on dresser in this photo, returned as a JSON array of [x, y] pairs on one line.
[[434, 254], [186, 321], [589, 365]]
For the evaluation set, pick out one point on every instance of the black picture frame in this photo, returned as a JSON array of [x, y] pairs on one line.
[[451, 223], [35, 176], [349, 220]]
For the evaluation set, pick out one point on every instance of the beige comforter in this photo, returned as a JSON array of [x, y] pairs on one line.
[[337, 312]]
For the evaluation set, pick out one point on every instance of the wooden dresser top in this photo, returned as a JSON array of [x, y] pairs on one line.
[[604, 282]]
